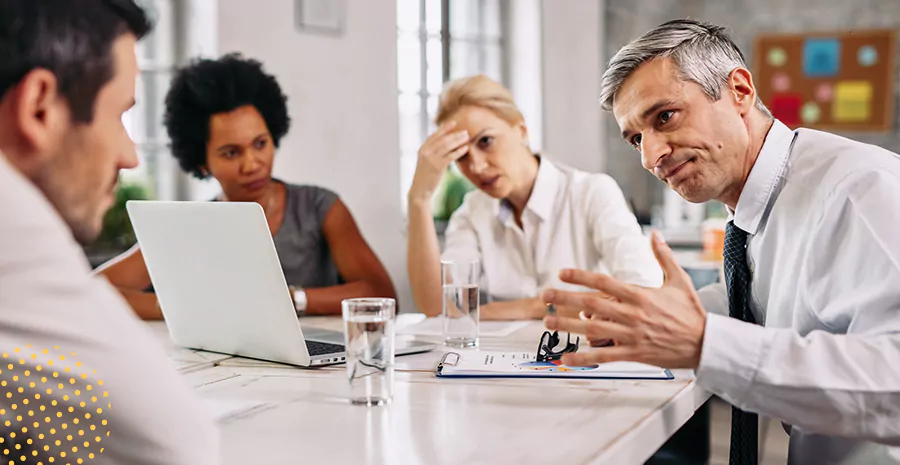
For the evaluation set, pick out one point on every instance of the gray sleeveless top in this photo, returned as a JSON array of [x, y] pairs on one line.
[[300, 242]]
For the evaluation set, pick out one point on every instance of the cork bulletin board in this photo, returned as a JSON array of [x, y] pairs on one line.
[[840, 81]]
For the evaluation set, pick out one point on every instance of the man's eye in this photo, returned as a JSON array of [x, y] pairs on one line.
[[636, 141], [665, 116]]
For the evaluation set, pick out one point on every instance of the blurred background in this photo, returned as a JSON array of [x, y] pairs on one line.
[[363, 77]]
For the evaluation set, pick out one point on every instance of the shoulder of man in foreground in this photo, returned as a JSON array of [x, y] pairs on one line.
[[79, 358]]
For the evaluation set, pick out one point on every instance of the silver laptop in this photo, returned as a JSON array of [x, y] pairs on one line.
[[220, 285]]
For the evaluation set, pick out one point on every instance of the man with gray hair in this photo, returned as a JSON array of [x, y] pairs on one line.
[[812, 256]]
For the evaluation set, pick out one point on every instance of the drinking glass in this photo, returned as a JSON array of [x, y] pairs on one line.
[[369, 337], [460, 280]]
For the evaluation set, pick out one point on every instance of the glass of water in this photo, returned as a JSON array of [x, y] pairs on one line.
[[369, 337], [461, 302]]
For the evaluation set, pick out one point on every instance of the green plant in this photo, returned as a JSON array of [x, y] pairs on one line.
[[453, 190], [117, 233]]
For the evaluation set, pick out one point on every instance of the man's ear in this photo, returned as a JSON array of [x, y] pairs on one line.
[[40, 114], [740, 85]]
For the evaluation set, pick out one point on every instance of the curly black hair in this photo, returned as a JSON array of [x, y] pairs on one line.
[[207, 87]]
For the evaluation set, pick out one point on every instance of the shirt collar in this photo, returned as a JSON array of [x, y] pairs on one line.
[[543, 194], [764, 178]]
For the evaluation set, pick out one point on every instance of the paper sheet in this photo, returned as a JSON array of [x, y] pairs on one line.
[[435, 327]]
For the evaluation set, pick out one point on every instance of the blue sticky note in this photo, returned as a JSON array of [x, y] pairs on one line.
[[821, 57], [867, 55]]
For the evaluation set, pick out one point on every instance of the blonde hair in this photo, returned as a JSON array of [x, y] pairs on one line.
[[480, 91]]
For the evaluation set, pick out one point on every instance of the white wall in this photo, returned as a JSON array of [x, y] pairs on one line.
[[343, 103], [572, 32]]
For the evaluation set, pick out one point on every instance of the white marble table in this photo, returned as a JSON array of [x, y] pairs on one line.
[[276, 414]]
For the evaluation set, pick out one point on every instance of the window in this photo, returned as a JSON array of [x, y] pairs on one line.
[[440, 40], [155, 175], [182, 29], [156, 62], [476, 41]]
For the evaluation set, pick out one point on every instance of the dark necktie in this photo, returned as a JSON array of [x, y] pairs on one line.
[[744, 425]]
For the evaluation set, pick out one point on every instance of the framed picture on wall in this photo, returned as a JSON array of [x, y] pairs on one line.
[[319, 16]]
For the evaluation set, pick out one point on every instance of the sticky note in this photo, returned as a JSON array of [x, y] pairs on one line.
[[867, 55], [781, 82], [776, 57], [852, 101], [810, 113], [786, 107], [824, 92], [821, 57]]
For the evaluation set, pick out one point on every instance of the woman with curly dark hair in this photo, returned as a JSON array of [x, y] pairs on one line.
[[225, 119]]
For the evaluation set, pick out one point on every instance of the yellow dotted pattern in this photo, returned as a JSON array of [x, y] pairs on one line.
[[51, 408]]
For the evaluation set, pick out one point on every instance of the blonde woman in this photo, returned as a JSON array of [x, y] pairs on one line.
[[529, 217]]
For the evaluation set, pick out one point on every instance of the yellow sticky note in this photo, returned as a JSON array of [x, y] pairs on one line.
[[852, 101]]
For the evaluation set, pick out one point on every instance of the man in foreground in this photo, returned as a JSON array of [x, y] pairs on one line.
[[82, 379]]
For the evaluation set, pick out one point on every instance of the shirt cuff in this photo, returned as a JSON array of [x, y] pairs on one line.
[[731, 355]]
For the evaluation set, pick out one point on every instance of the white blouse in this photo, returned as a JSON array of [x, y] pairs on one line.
[[573, 219]]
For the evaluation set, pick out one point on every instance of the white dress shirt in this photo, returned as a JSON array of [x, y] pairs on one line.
[[50, 301], [823, 214], [573, 219]]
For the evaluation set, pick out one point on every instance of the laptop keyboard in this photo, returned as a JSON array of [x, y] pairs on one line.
[[322, 348]]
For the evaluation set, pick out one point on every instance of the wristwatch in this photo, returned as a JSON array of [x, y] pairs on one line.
[[299, 297]]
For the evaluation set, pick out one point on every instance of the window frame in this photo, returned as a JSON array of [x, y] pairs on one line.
[[482, 41]]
